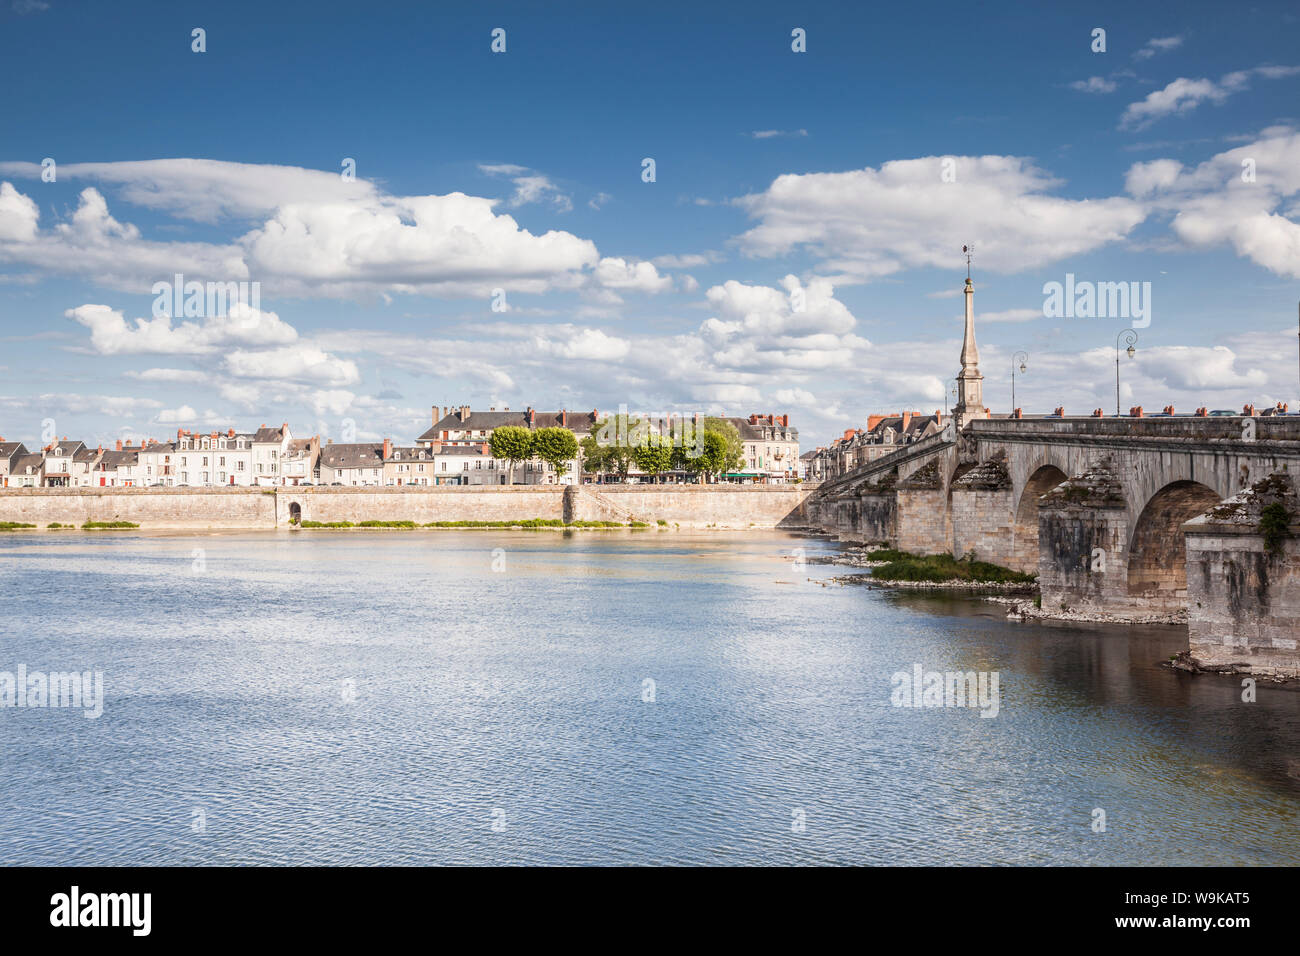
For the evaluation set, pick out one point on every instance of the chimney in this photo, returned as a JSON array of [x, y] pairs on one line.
[[529, 416], [1059, 411], [230, 433], [874, 420], [464, 412], [1016, 413], [1169, 409], [1136, 411], [179, 433], [907, 420], [1248, 411], [263, 425], [848, 434], [388, 448], [938, 418], [1202, 412], [785, 421], [119, 444], [564, 418], [1097, 413], [433, 411]]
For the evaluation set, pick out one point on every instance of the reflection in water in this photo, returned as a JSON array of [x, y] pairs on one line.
[[376, 697]]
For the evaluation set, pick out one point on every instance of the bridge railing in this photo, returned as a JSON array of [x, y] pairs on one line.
[[1230, 427], [902, 455]]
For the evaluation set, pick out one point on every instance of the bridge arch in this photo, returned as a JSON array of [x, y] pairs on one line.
[[1024, 539], [1157, 558]]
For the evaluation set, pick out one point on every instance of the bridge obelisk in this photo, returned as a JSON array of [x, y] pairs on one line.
[[970, 383]]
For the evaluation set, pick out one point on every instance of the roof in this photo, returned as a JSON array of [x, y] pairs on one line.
[[367, 455], [268, 434], [112, 458], [66, 449], [410, 453], [754, 432], [579, 423], [10, 448], [22, 462]]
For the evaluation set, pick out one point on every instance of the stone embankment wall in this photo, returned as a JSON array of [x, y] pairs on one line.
[[689, 506], [162, 508]]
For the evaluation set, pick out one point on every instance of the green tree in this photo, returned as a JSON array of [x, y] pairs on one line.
[[512, 443], [713, 458], [656, 455], [733, 458], [555, 446]]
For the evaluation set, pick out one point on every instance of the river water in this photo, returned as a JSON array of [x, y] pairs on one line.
[[597, 697]]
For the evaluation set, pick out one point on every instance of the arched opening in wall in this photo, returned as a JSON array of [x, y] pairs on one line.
[[295, 513], [1157, 560], [1024, 546]]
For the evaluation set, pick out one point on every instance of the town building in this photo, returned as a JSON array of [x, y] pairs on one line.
[[26, 471], [118, 468], [68, 464], [770, 448], [10, 451], [300, 464], [358, 463]]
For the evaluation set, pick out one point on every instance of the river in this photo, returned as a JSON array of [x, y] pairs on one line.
[[598, 697]]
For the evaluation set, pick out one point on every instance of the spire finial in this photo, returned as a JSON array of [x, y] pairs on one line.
[[968, 250]]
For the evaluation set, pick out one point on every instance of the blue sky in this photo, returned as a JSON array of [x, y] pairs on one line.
[[778, 175]]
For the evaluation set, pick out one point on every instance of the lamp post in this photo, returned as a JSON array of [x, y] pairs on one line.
[[1129, 336], [1022, 358]]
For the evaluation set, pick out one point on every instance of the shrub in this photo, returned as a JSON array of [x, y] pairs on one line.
[[1275, 526], [108, 525]]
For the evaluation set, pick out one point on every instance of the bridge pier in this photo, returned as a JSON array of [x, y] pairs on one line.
[[982, 504], [1082, 530], [923, 523], [1243, 585]]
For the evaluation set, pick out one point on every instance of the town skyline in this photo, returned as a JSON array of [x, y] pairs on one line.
[[771, 257]]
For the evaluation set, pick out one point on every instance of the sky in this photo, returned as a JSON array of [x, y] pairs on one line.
[[424, 220]]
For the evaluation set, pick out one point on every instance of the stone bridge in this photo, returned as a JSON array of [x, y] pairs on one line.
[[1119, 516]]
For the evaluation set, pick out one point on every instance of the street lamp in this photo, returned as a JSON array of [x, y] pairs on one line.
[[1129, 336], [1022, 358]]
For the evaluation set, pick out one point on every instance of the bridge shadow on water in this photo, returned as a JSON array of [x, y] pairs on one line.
[[1118, 676]]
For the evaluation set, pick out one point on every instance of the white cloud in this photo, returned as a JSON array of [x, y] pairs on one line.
[[1183, 95], [1212, 203], [18, 215], [530, 186], [620, 274], [1158, 45], [1095, 84], [868, 223], [775, 133], [110, 334], [295, 363]]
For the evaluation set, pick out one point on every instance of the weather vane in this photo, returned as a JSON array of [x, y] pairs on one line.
[[968, 250]]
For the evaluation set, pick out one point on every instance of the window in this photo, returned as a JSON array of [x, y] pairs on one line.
[[222, 461], [273, 454], [205, 460], [239, 466]]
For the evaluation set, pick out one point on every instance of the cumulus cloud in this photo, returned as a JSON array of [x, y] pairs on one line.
[[868, 223], [111, 334], [315, 233], [1183, 95], [18, 215], [1241, 197], [622, 275], [295, 363]]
